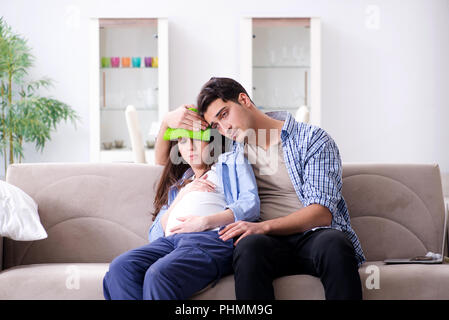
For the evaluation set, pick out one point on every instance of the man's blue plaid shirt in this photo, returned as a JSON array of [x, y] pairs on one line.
[[314, 165]]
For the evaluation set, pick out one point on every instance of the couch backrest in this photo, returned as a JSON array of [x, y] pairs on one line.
[[94, 212], [397, 210]]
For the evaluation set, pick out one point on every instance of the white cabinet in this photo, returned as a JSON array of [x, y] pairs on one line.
[[128, 66], [281, 63]]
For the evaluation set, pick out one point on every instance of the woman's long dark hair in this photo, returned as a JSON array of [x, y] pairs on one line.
[[170, 176], [173, 172]]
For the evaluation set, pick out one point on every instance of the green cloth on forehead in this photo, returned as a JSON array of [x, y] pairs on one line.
[[175, 133]]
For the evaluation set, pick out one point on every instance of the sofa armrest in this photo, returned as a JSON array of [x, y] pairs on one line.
[[446, 218], [1, 253]]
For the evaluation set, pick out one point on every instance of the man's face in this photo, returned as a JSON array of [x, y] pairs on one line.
[[229, 118]]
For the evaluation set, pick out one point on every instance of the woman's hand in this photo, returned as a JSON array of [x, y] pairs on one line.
[[199, 184], [184, 118], [191, 224]]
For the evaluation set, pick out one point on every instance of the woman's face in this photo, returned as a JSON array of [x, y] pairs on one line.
[[192, 151]]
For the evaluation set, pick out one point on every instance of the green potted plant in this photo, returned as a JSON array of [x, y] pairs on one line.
[[26, 115]]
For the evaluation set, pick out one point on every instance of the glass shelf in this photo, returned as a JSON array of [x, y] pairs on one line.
[[124, 155], [281, 67], [124, 149], [129, 68], [113, 149], [277, 108], [154, 108]]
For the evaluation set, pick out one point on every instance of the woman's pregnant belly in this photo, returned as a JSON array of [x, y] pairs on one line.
[[195, 203]]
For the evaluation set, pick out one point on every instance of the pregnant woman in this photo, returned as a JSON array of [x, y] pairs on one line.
[[193, 200]]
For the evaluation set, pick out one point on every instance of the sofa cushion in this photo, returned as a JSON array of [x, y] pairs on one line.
[[393, 282], [397, 210], [296, 287], [92, 212], [85, 281], [411, 281], [62, 281]]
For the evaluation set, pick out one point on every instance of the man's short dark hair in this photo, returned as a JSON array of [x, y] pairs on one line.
[[226, 89]]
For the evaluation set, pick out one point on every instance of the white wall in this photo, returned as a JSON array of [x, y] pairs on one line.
[[385, 66]]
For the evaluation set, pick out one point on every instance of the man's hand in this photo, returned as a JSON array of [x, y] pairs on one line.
[[181, 117], [242, 229], [184, 118]]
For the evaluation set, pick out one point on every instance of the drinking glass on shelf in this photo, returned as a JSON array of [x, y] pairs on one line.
[[152, 134], [105, 62], [107, 145], [275, 98], [302, 56], [284, 55], [297, 97], [136, 62], [115, 62], [121, 99], [118, 144], [140, 97], [261, 98], [126, 61], [148, 62], [273, 57], [296, 56], [155, 62], [150, 99]]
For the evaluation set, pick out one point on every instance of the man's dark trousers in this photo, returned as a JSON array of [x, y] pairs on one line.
[[323, 253]]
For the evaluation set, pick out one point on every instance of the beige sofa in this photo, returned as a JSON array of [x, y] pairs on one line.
[[94, 212]]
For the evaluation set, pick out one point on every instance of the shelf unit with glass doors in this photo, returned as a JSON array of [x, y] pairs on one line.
[[280, 63], [128, 66]]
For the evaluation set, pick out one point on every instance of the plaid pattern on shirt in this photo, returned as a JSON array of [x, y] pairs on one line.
[[314, 165]]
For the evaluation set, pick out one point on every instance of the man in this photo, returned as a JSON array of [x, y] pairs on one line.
[[306, 227]]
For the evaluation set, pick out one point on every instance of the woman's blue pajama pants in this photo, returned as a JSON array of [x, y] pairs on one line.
[[169, 268]]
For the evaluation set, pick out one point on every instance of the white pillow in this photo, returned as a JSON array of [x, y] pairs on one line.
[[19, 218]]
